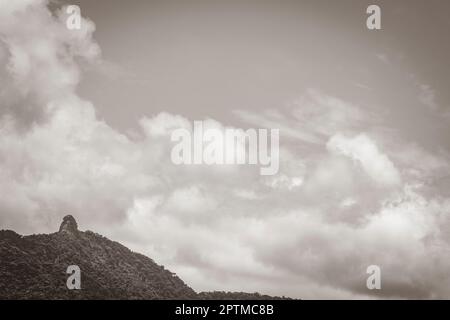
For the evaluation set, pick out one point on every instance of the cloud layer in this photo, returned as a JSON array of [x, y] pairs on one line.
[[347, 196]]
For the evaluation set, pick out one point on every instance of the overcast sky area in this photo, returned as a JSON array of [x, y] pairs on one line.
[[364, 118]]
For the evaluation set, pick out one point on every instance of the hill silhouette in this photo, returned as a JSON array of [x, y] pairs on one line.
[[34, 267]]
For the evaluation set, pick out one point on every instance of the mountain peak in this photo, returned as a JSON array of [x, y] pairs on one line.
[[68, 225]]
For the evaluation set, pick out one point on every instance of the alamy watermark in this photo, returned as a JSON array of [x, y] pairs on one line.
[[374, 280], [212, 146], [73, 21], [373, 21], [74, 280]]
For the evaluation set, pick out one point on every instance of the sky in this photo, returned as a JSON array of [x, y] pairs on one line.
[[86, 118]]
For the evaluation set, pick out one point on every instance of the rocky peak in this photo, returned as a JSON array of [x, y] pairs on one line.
[[68, 225]]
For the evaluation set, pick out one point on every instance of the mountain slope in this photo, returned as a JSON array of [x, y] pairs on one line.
[[34, 267]]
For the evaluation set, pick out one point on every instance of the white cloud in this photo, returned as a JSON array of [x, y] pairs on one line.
[[246, 194], [163, 124], [193, 199], [348, 202], [427, 97], [283, 181], [364, 151]]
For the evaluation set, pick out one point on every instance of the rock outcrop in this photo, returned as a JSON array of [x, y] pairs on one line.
[[69, 225]]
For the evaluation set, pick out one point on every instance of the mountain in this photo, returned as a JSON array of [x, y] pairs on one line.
[[34, 267]]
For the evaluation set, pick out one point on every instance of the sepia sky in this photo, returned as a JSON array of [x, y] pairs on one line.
[[86, 117]]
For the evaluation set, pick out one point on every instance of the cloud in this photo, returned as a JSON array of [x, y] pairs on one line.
[[163, 124], [311, 118], [363, 150], [427, 97], [39, 70], [191, 200], [344, 197]]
